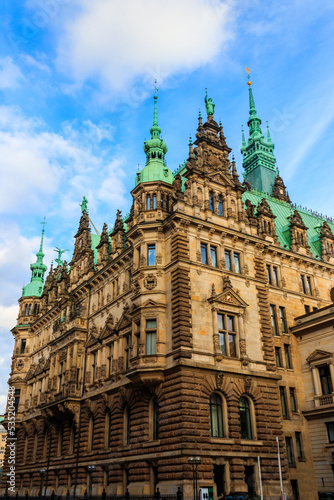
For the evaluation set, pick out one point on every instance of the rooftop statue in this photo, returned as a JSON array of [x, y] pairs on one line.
[[209, 104]]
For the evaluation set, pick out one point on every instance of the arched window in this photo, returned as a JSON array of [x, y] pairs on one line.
[[216, 416], [245, 418], [155, 418], [91, 434], [127, 425]]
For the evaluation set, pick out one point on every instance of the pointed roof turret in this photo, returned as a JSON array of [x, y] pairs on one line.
[[259, 160], [155, 150], [38, 268]]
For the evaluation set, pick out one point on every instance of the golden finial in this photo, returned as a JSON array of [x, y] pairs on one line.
[[249, 83]]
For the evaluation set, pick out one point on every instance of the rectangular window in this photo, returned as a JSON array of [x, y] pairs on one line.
[[289, 453], [227, 334], [283, 401], [278, 357], [295, 489], [282, 319], [228, 260], [308, 283], [293, 399], [151, 255], [273, 319], [127, 351], [154, 201], [325, 380], [268, 274], [17, 399], [330, 431], [307, 309], [237, 268], [302, 277], [275, 276], [23, 346], [204, 253], [60, 376], [151, 336], [299, 445], [137, 335], [93, 362], [288, 364], [148, 202], [213, 255]]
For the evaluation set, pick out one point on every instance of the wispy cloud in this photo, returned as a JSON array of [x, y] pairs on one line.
[[10, 74]]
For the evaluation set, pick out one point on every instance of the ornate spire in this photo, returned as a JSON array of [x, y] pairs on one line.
[[155, 150], [35, 287], [259, 160]]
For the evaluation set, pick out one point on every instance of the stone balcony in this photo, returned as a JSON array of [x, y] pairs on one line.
[[322, 401]]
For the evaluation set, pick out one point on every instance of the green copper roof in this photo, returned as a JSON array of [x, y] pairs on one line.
[[258, 157], [283, 210], [155, 150], [35, 287]]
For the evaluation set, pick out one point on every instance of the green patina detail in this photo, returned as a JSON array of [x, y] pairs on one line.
[[209, 104], [283, 211], [83, 205], [38, 268], [155, 150], [258, 157]]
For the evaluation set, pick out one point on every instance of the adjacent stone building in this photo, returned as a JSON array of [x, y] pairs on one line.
[[314, 333], [168, 337]]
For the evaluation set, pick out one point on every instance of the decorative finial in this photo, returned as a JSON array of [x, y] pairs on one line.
[[43, 230], [199, 114], [190, 140], [155, 89], [249, 83]]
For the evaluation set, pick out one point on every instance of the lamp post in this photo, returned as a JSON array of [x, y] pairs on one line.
[[194, 462], [42, 472], [90, 469]]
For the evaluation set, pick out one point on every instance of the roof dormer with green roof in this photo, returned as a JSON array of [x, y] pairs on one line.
[[155, 149], [259, 161], [38, 268]]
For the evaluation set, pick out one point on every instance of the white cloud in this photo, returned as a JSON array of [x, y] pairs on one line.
[[3, 401], [121, 41], [10, 74], [8, 316], [36, 163]]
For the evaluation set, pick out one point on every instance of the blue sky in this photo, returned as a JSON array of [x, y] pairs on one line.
[[76, 87]]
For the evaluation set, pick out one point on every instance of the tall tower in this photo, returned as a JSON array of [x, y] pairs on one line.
[[259, 160], [38, 268]]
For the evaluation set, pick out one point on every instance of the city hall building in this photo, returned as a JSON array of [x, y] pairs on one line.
[[164, 347]]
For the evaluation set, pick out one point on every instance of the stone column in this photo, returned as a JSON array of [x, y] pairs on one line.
[[316, 381]]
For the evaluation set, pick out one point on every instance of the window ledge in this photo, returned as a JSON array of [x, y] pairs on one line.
[[251, 442], [222, 440], [156, 442]]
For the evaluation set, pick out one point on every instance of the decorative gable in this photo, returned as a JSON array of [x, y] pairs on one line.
[[266, 220], [298, 232], [228, 297], [327, 242], [319, 355]]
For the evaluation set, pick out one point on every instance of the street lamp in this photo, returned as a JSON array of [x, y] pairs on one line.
[[90, 469], [194, 462], [42, 472]]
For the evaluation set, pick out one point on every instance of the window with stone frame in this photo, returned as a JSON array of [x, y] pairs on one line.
[[273, 319], [299, 447], [227, 330], [127, 349], [330, 431], [326, 383], [216, 415], [287, 356], [154, 418], [151, 336], [232, 261], [245, 415], [209, 254], [93, 358], [23, 345], [278, 357], [284, 407], [293, 400], [127, 425], [272, 274], [91, 430], [306, 284], [289, 450], [110, 357], [151, 254]]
